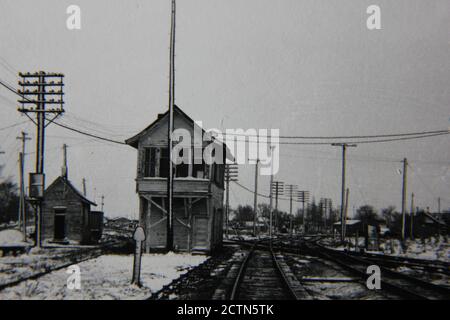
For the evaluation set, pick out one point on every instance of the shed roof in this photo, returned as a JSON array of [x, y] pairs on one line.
[[67, 182], [348, 222], [134, 140]]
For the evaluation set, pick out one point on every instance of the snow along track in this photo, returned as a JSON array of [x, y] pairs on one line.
[[405, 286]]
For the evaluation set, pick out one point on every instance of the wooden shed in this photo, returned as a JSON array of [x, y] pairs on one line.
[[67, 216], [197, 190]]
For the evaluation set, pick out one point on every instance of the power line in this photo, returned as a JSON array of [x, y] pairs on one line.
[[260, 194], [390, 135], [13, 125], [401, 136], [356, 141], [10, 88], [88, 134]]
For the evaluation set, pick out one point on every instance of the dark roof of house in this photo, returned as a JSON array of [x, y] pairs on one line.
[[429, 216], [133, 141], [72, 187]]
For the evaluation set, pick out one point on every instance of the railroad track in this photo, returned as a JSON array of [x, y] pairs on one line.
[[405, 286], [394, 261], [263, 275], [402, 285]]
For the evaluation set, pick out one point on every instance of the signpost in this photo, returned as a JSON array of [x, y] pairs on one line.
[[139, 237]]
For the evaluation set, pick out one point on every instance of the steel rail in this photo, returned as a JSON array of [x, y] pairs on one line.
[[341, 258], [240, 276], [286, 281]]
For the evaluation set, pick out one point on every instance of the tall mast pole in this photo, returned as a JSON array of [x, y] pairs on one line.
[[344, 160], [169, 242], [404, 187]]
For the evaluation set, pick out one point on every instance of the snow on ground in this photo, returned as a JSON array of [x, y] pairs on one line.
[[11, 237], [434, 248], [107, 277]]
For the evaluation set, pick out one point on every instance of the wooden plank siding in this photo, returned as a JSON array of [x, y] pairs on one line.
[[198, 193], [181, 186], [76, 214]]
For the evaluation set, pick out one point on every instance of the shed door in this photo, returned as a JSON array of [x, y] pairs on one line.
[[60, 224]]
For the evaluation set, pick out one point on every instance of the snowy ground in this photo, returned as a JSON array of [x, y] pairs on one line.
[[107, 277], [11, 237], [434, 248]]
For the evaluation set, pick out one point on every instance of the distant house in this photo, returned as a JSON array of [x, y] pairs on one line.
[[351, 227], [197, 189], [67, 215], [426, 224]]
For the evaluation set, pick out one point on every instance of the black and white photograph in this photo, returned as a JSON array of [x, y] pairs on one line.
[[248, 152]]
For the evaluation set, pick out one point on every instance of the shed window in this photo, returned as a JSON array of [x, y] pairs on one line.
[[182, 170], [198, 167], [149, 162], [164, 162]]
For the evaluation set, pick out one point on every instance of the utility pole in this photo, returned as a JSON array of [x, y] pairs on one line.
[[64, 169], [326, 207], [439, 205], [344, 159], [22, 207], [1, 167], [22, 199], [169, 241], [277, 188], [84, 187], [231, 173], [35, 92], [291, 188], [404, 187], [411, 233], [346, 211], [271, 193], [303, 197], [255, 199]]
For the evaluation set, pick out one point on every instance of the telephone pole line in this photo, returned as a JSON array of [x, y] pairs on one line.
[[404, 187], [231, 174], [326, 208], [290, 188], [303, 197], [84, 187], [1, 167], [255, 198], [22, 206], [345, 212], [271, 194], [344, 160], [277, 189], [35, 90], [64, 169], [439, 205], [413, 208]]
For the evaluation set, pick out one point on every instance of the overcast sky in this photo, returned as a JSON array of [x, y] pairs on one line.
[[304, 67]]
